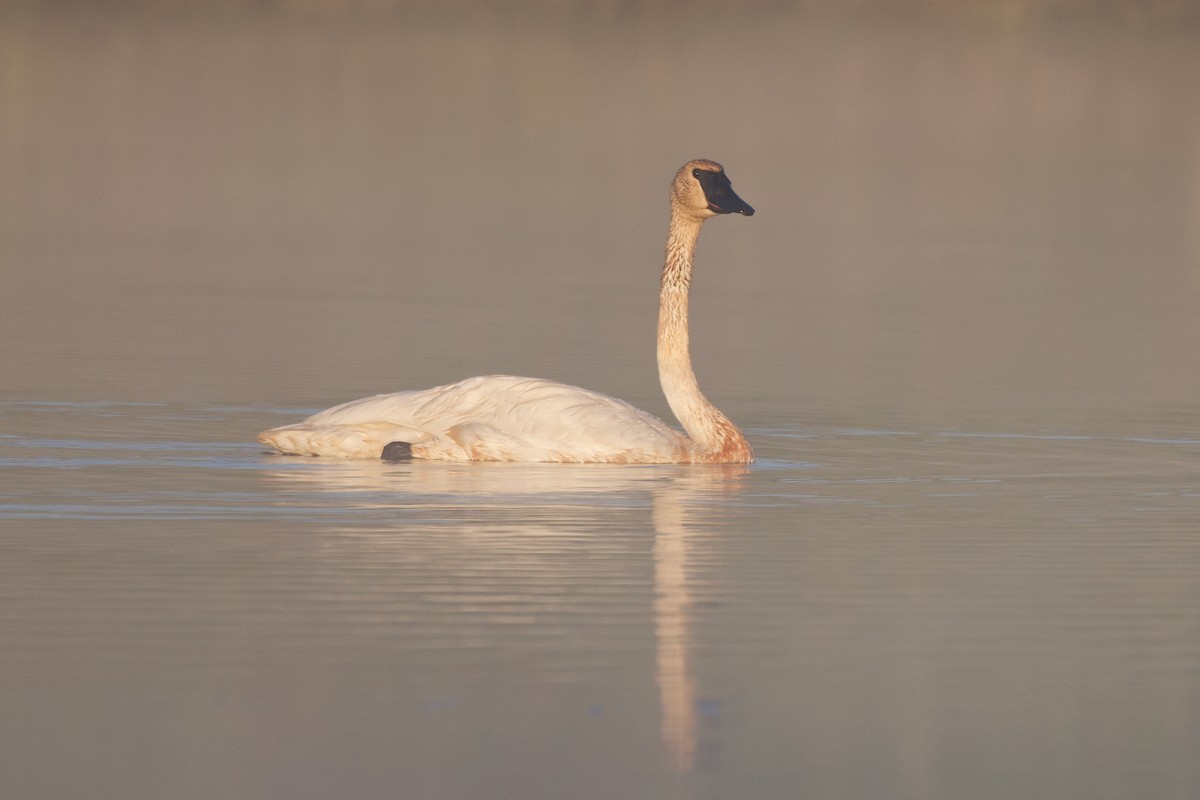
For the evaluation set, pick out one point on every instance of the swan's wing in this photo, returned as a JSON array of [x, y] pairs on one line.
[[497, 417], [364, 440]]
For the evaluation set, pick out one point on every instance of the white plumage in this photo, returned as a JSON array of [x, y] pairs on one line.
[[491, 418], [504, 418]]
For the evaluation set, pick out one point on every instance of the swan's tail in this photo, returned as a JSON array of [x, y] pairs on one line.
[[340, 441]]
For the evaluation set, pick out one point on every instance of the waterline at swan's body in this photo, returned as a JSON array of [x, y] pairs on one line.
[[503, 418]]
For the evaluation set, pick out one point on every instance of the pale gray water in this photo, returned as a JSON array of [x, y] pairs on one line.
[[961, 333]]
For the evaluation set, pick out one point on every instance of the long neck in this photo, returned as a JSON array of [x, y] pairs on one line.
[[713, 433]]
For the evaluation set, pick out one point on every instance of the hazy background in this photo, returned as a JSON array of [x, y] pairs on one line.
[[983, 204]]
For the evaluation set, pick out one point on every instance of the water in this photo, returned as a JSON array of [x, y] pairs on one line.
[[960, 333]]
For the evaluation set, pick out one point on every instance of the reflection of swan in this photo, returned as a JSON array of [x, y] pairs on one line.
[[501, 418], [566, 499], [509, 484], [672, 600]]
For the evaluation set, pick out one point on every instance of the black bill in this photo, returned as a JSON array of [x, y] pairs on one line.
[[720, 195]]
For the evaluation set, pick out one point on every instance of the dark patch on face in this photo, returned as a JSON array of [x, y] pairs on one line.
[[718, 191]]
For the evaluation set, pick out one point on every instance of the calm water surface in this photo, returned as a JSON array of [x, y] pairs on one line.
[[961, 334]]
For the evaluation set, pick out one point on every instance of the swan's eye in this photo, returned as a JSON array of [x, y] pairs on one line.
[[696, 173]]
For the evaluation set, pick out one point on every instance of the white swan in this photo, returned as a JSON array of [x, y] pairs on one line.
[[502, 418]]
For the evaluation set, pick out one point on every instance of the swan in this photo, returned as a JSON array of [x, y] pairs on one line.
[[505, 418]]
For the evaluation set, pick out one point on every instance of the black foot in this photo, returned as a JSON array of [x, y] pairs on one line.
[[397, 451]]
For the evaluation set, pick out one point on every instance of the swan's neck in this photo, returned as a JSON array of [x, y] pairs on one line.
[[715, 436]]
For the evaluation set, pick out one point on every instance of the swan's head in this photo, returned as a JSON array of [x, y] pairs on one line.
[[702, 190]]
